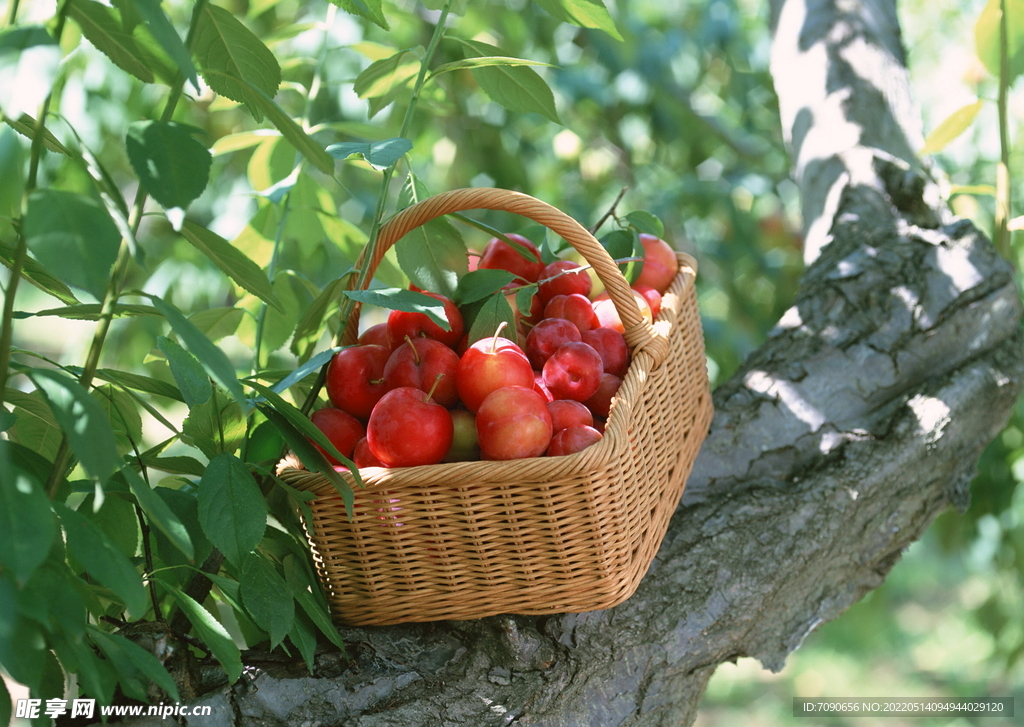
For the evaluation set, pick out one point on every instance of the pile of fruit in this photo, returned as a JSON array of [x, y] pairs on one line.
[[412, 393]]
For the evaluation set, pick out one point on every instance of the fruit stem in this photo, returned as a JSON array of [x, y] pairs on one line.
[[497, 335], [415, 352], [433, 388]]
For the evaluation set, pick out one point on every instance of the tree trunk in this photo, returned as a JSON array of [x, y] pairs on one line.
[[832, 449]]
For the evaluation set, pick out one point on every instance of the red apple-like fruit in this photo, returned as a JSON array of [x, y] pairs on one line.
[[363, 457], [540, 388], [601, 401], [611, 346], [408, 428], [376, 335], [341, 429], [425, 364], [573, 371], [512, 423], [524, 262], [568, 413], [559, 278], [355, 379], [465, 446], [608, 316], [546, 337], [660, 263], [489, 364], [419, 325], [652, 297], [575, 308], [572, 440]]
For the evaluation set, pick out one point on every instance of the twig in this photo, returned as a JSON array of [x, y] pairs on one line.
[[609, 213]]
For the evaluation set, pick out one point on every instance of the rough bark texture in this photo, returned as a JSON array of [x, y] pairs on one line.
[[834, 447]]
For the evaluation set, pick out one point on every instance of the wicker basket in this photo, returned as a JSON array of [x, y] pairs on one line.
[[528, 536]]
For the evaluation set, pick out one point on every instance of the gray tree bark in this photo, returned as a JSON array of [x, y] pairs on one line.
[[832, 449]]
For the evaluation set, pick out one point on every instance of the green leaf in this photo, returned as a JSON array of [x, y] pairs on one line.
[[216, 323], [96, 676], [369, 9], [175, 465], [26, 523], [266, 597], [26, 126], [381, 154], [310, 456], [951, 127], [624, 244], [23, 645], [232, 512], [192, 381], [433, 255], [308, 331], [490, 315], [33, 403], [134, 665], [159, 513], [303, 142], [295, 296], [166, 37], [123, 414], [117, 519], [103, 27], [645, 222], [318, 615], [404, 300], [481, 283], [212, 634], [265, 444], [302, 423], [986, 37], [232, 261], [517, 88], [314, 364], [216, 363], [484, 62], [67, 613], [36, 428], [29, 58], [184, 504], [302, 635], [83, 420], [91, 311], [584, 13], [233, 60], [215, 427], [73, 236], [38, 275], [386, 75], [241, 140], [138, 382], [103, 561], [169, 161]]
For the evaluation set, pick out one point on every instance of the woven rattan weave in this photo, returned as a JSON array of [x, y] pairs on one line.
[[529, 536]]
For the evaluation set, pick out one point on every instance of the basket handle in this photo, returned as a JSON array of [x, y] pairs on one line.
[[639, 334]]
